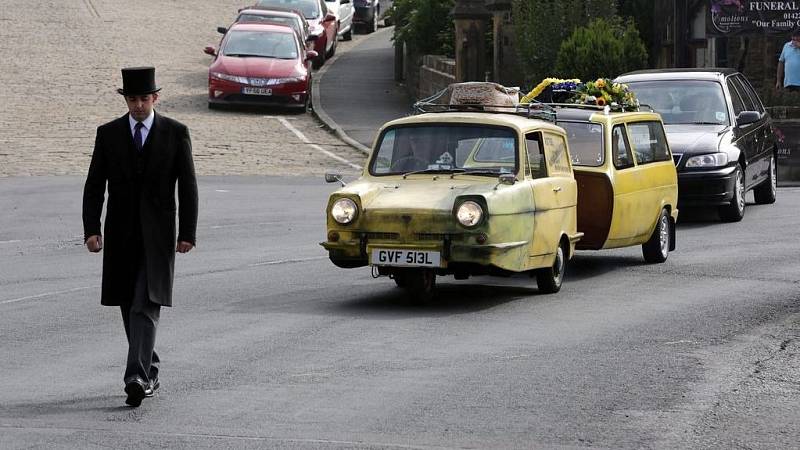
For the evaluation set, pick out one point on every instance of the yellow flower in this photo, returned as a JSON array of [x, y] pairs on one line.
[[600, 101], [600, 83]]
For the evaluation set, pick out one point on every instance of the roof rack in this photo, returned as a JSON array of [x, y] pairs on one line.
[[535, 110]]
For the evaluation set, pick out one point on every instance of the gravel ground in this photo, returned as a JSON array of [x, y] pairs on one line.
[[62, 65]]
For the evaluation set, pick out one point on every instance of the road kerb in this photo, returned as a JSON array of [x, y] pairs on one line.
[[319, 111]]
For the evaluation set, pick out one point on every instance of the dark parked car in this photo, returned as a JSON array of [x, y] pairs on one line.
[[720, 135], [367, 13]]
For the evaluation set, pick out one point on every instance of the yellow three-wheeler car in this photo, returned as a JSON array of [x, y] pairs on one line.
[[461, 193]]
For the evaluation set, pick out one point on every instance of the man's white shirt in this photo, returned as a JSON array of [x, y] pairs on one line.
[[147, 123]]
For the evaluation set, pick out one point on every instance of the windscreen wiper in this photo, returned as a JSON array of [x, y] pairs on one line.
[[244, 55], [492, 173], [432, 171]]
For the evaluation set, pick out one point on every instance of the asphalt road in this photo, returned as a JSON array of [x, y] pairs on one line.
[[271, 346]]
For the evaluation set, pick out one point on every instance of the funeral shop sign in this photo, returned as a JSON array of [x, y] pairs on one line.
[[736, 17]]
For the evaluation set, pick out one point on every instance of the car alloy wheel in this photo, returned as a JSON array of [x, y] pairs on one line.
[[734, 211], [767, 191], [656, 249]]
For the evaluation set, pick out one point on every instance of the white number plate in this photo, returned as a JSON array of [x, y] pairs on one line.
[[407, 258], [256, 91]]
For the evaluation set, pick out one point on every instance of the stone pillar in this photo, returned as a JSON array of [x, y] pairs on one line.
[[470, 17], [499, 8]]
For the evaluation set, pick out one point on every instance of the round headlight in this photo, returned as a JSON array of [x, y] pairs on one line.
[[344, 210], [469, 214]]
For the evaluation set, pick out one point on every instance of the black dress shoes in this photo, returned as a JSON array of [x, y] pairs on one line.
[[154, 385], [136, 390]]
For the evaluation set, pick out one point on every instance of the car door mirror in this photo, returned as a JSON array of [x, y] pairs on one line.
[[222, 30], [311, 54], [329, 18], [209, 50], [747, 117], [332, 177], [507, 178]]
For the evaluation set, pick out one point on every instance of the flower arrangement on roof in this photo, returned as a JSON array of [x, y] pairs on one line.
[[603, 91], [556, 83], [600, 92]]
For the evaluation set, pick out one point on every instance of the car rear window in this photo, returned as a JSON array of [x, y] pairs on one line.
[[309, 8], [264, 18], [445, 148], [585, 142], [684, 101]]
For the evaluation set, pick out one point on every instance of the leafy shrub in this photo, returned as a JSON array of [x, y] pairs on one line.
[[540, 26], [426, 26], [604, 48]]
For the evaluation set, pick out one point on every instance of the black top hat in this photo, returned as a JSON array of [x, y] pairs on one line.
[[138, 81]]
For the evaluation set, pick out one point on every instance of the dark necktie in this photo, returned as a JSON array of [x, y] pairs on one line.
[[137, 135]]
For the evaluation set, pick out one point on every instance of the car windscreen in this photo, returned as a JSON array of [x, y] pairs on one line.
[[265, 44], [309, 8], [264, 18], [585, 142], [684, 101], [445, 148]]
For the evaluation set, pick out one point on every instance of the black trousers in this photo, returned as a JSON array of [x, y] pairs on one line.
[[140, 317]]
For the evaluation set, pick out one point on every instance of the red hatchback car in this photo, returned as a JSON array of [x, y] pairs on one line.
[[322, 23], [260, 64]]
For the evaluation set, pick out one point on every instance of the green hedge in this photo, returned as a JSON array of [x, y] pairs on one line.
[[604, 48], [425, 26]]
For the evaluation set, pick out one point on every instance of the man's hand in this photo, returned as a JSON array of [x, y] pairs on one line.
[[778, 85], [184, 247], [94, 243]]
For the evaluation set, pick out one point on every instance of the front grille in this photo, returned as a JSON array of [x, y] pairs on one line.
[[438, 236], [677, 158], [383, 236], [244, 98]]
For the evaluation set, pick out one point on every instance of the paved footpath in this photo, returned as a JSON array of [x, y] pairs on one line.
[[61, 70], [358, 93]]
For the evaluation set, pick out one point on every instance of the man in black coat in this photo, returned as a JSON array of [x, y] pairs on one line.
[[141, 156]]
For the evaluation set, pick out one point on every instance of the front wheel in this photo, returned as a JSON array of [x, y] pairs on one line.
[[765, 193], [319, 60], [549, 279], [734, 211], [335, 42], [656, 249]]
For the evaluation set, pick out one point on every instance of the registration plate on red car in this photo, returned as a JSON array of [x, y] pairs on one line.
[[256, 91]]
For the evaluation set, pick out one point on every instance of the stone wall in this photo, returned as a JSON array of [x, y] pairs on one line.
[[436, 73]]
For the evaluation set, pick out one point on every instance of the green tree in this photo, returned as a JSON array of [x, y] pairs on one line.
[[642, 12], [541, 25], [604, 48], [426, 26]]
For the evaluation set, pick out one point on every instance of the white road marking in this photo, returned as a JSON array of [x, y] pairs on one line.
[[307, 141], [46, 294], [221, 190], [232, 225], [10, 242], [284, 261]]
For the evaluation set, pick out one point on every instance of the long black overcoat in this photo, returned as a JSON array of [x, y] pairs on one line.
[[140, 214]]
